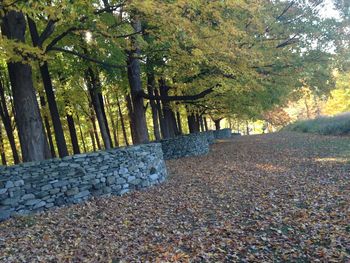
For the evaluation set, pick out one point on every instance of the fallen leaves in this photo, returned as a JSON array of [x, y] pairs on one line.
[[252, 199]]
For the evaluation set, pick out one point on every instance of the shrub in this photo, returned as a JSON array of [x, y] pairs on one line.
[[337, 125]]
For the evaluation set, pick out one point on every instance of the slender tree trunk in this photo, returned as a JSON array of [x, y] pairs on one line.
[[47, 126], [205, 123], [131, 119], [93, 140], [201, 123], [94, 128], [73, 134], [50, 95], [114, 127], [122, 123], [94, 88], [2, 148], [178, 117], [134, 76], [30, 126], [81, 133], [7, 123], [102, 103], [162, 123], [150, 88]]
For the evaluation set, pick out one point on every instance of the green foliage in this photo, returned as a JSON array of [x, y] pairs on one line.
[[337, 125]]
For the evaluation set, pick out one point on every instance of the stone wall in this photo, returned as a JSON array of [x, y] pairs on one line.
[[36, 186], [210, 136], [185, 145], [223, 134]]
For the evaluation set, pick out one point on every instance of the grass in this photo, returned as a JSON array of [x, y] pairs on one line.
[[337, 125]]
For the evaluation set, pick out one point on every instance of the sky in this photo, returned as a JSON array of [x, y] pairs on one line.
[[329, 11]]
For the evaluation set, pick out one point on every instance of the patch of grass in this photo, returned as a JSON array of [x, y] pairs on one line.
[[337, 125]]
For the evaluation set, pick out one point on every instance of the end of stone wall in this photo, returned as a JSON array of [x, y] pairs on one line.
[[223, 134], [185, 145]]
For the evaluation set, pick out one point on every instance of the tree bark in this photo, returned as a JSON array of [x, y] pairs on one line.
[[50, 95], [94, 87], [2, 148], [150, 89], [114, 126], [205, 124], [132, 125], [168, 115], [47, 126], [34, 145], [217, 124], [94, 128], [81, 133], [104, 114], [160, 114], [192, 124], [179, 125], [201, 123], [7, 123], [73, 134], [134, 76], [122, 123]]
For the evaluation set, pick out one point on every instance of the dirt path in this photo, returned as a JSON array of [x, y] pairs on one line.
[[280, 197]]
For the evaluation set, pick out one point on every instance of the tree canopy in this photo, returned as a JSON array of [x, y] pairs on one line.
[[108, 72]]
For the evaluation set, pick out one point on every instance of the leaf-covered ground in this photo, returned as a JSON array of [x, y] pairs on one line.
[[281, 197]]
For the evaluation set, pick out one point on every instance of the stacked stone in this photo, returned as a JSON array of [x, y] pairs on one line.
[[185, 145], [223, 134], [36, 186], [210, 136]]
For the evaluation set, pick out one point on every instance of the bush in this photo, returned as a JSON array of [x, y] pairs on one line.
[[337, 125]]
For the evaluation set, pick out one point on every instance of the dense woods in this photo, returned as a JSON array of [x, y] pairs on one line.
[[78, 76]]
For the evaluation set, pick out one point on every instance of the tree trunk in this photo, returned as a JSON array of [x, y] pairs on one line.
[[179, 125], [205, 124], [168, 116], [94, 88], [94, 128], [81, 133], [150, 88], [114, 127], [73, 134], [191, 119], [47, 126], [160, 115], [92, 140], [30, 126], [134, 76], [122, 123], [7, 123], [2, 148], [217, 124], [131, 119], [50, 95], [100, 96], [201, 123]]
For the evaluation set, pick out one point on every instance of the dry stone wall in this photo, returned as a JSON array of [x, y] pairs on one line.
[[37, 186], [223, 134], [185, 145]]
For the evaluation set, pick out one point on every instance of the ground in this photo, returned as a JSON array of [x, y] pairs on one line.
[[281, 197]]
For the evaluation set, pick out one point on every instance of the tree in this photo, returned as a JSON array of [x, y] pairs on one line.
[[31, 131]]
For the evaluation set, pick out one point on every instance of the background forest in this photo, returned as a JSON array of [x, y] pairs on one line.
[[78, 76]]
